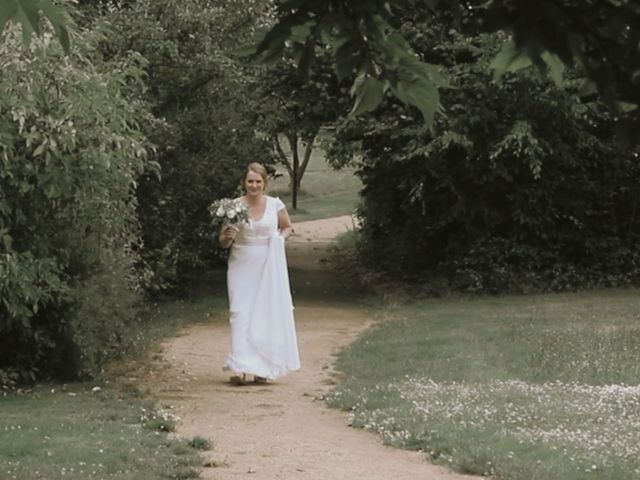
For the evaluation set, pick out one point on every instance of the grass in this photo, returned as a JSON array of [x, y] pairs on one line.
[[325, 192], [542, 387], [97, 430], [200, 443], [57, 432]]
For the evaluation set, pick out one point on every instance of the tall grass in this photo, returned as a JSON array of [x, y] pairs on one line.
[[544, 387]]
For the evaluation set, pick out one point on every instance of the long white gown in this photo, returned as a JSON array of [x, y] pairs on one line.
[[263, 334]]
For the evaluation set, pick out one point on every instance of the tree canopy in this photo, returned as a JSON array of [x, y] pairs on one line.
[[600, 38], [522, 186]]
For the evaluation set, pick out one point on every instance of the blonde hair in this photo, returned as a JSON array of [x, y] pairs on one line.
[[258, 168]]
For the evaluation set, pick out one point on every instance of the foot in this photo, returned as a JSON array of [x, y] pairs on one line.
[[257, 379], [238, 379]]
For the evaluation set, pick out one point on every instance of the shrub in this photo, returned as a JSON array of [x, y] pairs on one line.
[[70, 151], [521, 186]]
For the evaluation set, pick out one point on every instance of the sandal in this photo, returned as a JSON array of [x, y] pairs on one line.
[[238, 379]]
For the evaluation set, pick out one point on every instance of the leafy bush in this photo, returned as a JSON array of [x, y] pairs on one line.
[[208, 135], [70, 151], [521, 186]]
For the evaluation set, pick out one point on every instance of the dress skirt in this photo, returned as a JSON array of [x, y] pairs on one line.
[[263, 335]]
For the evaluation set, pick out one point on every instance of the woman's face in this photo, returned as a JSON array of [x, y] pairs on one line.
[[253, 183]]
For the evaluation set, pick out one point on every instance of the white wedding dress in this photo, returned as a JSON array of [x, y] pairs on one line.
[[263, 334]]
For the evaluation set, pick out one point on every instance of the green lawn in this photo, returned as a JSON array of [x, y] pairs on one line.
[[325, 192], [79, 432], [522, 387], [69, 432]]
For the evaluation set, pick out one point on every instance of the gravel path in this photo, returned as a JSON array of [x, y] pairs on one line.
[[282, 430]]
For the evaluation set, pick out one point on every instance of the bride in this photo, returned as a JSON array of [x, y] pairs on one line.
[[263, 335]]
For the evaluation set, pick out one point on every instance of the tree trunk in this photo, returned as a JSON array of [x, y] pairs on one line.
[[294, 174], [294, 166]]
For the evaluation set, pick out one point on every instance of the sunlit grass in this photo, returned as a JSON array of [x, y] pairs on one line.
[[325, 192], [543, 387]]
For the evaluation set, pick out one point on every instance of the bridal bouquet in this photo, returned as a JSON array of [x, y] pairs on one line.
[[229, 211]]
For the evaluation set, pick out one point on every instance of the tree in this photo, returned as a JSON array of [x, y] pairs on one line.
[[208, 130], [600, 37], [295, 108], [520, 187], [71, 152]]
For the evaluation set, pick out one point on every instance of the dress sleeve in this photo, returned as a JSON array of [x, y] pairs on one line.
[[278, 204]]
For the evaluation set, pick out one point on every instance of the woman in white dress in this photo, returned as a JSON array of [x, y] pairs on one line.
[[263, 335]]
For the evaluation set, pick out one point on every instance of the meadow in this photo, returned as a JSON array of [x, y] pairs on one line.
[[522, 387]]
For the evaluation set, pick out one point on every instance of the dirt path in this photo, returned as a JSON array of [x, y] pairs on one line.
[[283, 430]]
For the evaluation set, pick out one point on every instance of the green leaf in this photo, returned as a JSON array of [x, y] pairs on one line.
[[420, 93], [300, 33], [7, 240], [65, 40], [347, 60], [626, 107], [244, 51], [426, 70], [587, 88], [27, 15], [426, 97], [57, 18], [305, 58], [556, 67], [369, 93], [53, 13], [8, 9], [509, 59], [272, 54], [278, 35]]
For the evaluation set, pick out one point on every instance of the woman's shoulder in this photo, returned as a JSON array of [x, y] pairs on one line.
[[276, 202]]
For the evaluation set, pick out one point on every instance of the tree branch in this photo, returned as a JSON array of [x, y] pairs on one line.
[[282, 157], [308, 148]]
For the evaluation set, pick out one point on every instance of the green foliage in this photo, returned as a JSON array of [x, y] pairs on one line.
[[28, 14], [369, 46], [596, 35], [70, 153], [296, 108], [521, 187], [365, 47], [160, 424], [200, 443], [208, 135]]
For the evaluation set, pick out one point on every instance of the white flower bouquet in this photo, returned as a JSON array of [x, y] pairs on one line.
[[229, 211]]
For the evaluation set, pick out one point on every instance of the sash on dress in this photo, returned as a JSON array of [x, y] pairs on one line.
[[271, 326]]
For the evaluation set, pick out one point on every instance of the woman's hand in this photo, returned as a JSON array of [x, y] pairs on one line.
[[228, 235]]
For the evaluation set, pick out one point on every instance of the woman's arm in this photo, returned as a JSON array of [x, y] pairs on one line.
[[284, 223]]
